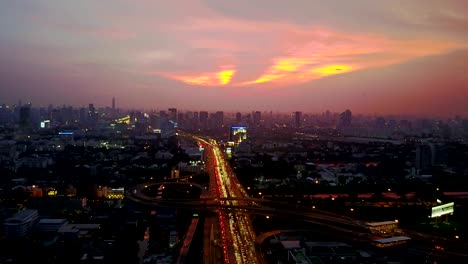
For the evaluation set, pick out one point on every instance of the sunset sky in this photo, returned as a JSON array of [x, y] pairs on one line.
[[388, 57]]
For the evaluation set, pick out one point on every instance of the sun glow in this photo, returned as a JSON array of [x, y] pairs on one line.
[[225, 76], [332, 69], [222, 77]]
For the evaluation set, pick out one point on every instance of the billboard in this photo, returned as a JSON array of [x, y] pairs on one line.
[[442, 210]]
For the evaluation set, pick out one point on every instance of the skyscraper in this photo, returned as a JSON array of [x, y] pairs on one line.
[[172, 114], [25, 117], [298, 119], [219, 119], [92, 115], [345, 118], [113, 104], [257, 117], [238, 118], [203, 118]]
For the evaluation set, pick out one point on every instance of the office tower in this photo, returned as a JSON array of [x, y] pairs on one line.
[[298, 119], [219, 119], [257, 116], [180, 119], [83, 115], [345, 118], [113, 104], [25, 117], [172, 114], [203, 118], [92, 115], [238, 118]]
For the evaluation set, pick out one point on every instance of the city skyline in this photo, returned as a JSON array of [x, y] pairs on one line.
[[394, 58]]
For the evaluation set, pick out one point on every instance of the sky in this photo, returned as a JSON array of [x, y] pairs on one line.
[[383, 57]]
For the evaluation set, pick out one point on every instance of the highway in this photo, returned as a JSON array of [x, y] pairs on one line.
[[236, 227], [230, 202]]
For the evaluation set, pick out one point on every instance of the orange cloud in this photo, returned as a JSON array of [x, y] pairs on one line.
[[225, 76], [222, 77], [292, 53], [332, 69], [281, 68], [330, 53]]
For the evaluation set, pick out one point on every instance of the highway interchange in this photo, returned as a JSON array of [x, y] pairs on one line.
[[227, 198]]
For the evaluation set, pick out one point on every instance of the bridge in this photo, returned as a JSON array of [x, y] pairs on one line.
[[244, 204]]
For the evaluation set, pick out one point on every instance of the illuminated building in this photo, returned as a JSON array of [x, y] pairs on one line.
[[36, 191], [386, 227], [237, 134], [45, 124], [175, 174], [110, 193]]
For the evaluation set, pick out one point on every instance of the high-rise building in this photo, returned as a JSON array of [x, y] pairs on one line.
[[257, 117], [83, 116], [345, 118], [238, 118], [25, 117], [172, 114], [92, 115], [180, 120], [298, 119], [219, 119], [204, 119], [113, 104]]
